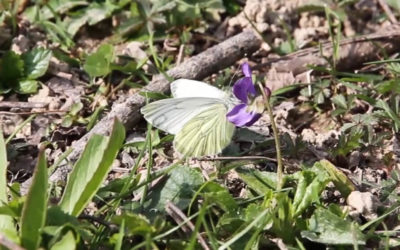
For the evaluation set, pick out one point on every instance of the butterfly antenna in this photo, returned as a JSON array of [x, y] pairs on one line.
[[234, 75]]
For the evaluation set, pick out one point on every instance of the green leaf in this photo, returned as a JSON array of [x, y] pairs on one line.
[[340, 101], [153, 95], [74, 23], [178, 188], [66, 242], [27, 87], [6, 221], [215, 193], [35, 206], [57, 33], [342, 183], [11, 69], [328, 228], [97, 12], [36, 62], [92, 14], [119, 237], [57, 7], [75, 108], [91, 169], [348, 143], [383, 105], [309, 188], [261, 182], [98, 63], [388, 86], [135, 224], [57, 217]]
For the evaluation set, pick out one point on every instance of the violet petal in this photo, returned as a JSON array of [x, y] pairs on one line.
[[256, 116], [246, 70], [243, 87], [240, 117]]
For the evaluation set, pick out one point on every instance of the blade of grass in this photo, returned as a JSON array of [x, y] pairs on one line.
[[149, 164], [62, 157], [19, 127], [35, 207], [195, 233], [120, 238], [91, 170], [380, 218], [6, 221]]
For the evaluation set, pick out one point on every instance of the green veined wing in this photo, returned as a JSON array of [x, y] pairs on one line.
[[207, 133]]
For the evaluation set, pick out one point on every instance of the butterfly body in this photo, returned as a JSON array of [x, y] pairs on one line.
[[196, 115]]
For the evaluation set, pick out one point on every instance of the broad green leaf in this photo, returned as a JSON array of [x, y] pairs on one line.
[[66, 242], [97, 12], [179, 188], [57, 7], [309, 188], [340, 101], [35, 207], [215, 193], [261, 182], [98, 63], [342, 183], [27, 87], [11, 69], [36, 62], [6, 221], [91, 169], [74, 23], [328, 228], [92, 14], [58, 218]]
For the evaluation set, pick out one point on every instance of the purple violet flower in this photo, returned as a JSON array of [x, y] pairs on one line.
[[242, 115]]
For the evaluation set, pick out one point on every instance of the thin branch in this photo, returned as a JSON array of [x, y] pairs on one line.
[[179, 216], [223, 158], [388, 11]]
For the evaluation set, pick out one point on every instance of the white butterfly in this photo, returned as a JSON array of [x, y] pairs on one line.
[[196, 115]]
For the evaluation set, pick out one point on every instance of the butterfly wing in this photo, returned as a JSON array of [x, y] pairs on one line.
[[207, 133], [191, 88], [172, 114]]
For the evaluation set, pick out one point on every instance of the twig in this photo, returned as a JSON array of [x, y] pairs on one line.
[[33, 113], [23, 105], [388, 11], [102, 222], [353, 52], [180, 54], [223, 158], [4, 241], [179, 216]]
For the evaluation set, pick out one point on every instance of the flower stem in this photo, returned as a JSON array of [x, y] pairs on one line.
[[279, 171]]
